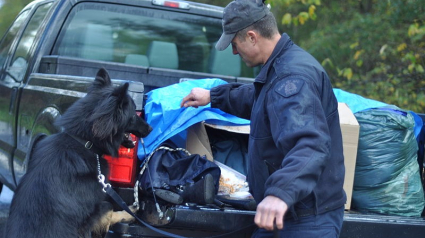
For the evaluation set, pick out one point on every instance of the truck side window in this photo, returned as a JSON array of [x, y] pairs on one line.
[[19, 63], [7, 40], [138, 36]]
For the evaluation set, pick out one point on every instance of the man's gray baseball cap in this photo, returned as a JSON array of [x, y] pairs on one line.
[[238, 15]]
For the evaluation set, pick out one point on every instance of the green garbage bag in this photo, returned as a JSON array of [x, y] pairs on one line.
[[387, 178]]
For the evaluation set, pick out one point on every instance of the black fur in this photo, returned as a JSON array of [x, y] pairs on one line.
[[60, 196]]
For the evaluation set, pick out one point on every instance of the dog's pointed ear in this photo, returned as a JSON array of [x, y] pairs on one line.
[[102, 79], [120, 92], [105, 115]]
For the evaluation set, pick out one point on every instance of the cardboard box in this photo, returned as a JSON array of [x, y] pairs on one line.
[[197, 139], [198, 143], [350, 137]]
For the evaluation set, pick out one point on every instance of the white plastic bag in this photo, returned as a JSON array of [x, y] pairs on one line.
[[232, 183]]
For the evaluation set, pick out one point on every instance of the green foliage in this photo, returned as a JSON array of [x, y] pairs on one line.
[[300, 11], [8, 12], [372, 48]]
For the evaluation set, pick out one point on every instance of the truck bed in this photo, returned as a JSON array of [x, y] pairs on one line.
[[201, 221], [212, 222]]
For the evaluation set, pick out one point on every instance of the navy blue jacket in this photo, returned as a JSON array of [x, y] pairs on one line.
[[295, 145]]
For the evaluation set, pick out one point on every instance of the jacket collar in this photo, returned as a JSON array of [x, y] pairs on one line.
[[284, 43]]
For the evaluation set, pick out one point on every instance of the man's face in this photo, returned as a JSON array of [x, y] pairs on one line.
[[245, 49]]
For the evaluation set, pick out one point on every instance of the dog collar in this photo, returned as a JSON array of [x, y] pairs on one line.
[[87, 144]]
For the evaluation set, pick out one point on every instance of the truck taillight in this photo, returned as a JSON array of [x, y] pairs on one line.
[[122, 170], [173, 4]]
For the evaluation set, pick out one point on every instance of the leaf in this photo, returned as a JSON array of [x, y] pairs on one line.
[[354, 45], [413, 29], [286, 2], [339, 71], [357, 54], [315, 2], [295, 21], [286, 19], [303, 17], [348, 73], [311, 10], [401, 47], [411, 57], [381, 51], [419, 68], [327, 61], [359, 63]]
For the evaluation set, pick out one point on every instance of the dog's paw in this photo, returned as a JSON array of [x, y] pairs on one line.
[[123, 216], [133, 208]]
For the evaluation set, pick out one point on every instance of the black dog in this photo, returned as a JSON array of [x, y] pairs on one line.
[[60, 195]]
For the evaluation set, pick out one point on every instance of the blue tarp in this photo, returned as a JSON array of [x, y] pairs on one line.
[[168, 119], [358, 103]]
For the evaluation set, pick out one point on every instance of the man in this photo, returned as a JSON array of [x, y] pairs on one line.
[[296, 165]]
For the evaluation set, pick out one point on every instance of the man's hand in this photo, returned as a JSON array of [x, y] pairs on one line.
[[270, 209], [197, 97]]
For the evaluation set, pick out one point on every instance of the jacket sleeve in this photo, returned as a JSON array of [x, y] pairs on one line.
[[299, 129], [233, 98]]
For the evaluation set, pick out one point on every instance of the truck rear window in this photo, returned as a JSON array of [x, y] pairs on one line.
[[146, 37]]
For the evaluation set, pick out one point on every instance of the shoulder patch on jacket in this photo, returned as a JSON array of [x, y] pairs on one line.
[[289, 87]]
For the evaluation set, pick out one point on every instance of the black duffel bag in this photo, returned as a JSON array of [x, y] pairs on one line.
[[176, 176]]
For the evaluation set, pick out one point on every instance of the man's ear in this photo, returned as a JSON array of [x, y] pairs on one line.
[[252, 37]]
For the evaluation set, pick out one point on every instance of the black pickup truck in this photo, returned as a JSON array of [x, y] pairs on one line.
[[51, 53]]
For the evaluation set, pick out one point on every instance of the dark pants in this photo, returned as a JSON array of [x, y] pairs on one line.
[[326, 225]]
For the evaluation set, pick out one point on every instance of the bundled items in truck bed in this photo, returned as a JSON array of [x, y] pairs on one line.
[[386, 177], [171, 123]]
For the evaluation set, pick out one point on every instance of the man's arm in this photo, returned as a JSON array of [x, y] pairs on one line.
[[233, 98]]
